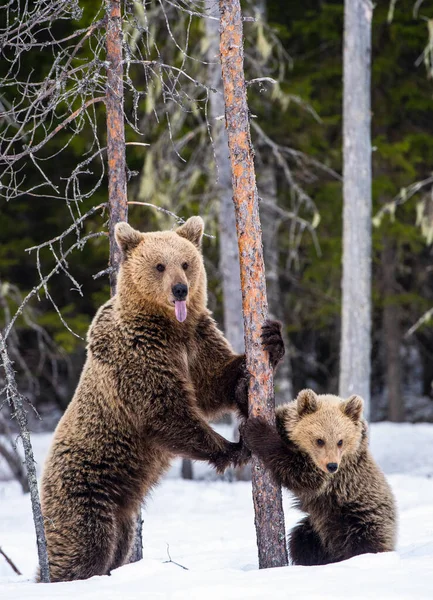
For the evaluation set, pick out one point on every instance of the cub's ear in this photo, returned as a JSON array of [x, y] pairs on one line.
[[192, 230], [353, 408], [307, 402], [127, 238]]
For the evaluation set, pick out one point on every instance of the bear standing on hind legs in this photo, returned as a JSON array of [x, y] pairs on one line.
[[157, 366], [319, 451]]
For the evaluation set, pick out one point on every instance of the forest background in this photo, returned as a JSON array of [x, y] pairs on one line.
[[296, 128]]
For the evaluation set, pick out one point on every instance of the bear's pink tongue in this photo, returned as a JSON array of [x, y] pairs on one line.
[[180, 310]]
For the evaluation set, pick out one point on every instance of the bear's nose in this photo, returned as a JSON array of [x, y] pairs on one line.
[[332, 467], [180, 291]]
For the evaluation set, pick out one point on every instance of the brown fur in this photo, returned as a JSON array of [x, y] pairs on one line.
[[351, 511], [148, 383]]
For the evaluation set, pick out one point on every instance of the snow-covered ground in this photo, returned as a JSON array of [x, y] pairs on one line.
[[208, 527]]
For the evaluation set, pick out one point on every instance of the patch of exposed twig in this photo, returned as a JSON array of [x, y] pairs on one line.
[[173, 561], [10, 562]]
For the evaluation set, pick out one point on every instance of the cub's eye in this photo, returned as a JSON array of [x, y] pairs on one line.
[[320, 442], [340, 443], [160, 267], [185, 266]]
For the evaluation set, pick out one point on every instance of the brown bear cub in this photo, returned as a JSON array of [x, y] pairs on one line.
[[319, 451], [157, 367]]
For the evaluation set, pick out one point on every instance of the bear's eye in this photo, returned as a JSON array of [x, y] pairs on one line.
[[160, 267], [185, 266], [320, 442], [340, 443]]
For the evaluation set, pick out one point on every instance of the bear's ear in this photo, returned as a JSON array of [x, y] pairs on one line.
[[353, 408], [127, 238], [307, 402], [192, 230]]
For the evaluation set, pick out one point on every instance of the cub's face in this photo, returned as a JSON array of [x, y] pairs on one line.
[[165, 268], [327, 428]]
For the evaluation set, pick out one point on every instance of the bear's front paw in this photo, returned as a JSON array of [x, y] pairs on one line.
[[272, 341], [237, 456], [255, 431], [241, 392], [241, 454]]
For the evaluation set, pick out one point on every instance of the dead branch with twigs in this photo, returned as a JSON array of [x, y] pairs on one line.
[[17, 403]]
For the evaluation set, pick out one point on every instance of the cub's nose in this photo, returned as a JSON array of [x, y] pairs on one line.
[[180, 291], [332, 467]]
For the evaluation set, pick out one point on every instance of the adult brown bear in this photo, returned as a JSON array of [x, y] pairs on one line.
[[157, 366]]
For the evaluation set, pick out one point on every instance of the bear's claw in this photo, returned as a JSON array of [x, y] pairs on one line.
[[272, 341]]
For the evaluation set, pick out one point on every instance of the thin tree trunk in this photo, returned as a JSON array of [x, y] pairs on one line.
[[228, 241], [270, 224], [117, 196], [269, 516], [356, 286], [392, 333], [16, 402]]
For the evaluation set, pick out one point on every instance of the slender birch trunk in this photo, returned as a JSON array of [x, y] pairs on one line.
[[356, 286], [269, 517], [117, 195]]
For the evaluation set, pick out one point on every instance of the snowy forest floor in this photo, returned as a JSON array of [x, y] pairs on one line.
[[208, 527]]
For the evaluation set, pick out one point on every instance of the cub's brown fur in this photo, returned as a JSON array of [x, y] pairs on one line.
[[351, 510], [147, 386]]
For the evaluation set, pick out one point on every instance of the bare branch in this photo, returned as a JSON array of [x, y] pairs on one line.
[[16, 402], [10, 562]]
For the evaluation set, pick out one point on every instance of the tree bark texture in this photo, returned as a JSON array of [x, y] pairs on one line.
[[117, 196], [269, 517], [16, 402], [392, 333], [270, 224], [228, 241], [356, 285]]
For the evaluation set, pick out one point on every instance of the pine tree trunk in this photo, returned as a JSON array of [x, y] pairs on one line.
[[356, 286], [269, 517], [117, 196]]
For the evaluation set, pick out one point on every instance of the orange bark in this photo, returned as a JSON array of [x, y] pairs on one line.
[[117, 197], [269, 517]]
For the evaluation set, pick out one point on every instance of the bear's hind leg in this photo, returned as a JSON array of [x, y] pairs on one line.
[[82, 550], [305, 546], [126, 528]]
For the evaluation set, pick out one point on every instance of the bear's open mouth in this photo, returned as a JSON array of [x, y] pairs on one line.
[[180, 310]]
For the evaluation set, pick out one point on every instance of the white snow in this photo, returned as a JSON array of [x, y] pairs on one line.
[[208, 527]]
